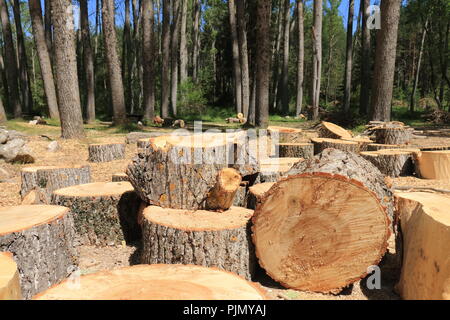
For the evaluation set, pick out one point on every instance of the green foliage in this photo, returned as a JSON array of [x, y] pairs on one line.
[[191, 99]]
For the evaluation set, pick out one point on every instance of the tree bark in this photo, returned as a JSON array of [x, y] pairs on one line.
[[243, 54], [66, 70], [88, 61], [285, 71], [416, 76], [301, 57], [175, 54], [113, 63], [383, 79], [183, 44], [364, 95], [263, 13], [349, 58], [127, 56], [10, 61], [196, 49], [106, 152], [317, 58], [237, 73], [148, 57], [48, 25], [165, 64]]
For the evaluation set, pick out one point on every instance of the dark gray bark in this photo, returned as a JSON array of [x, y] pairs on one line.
[[349, 58], [301, 57], [165, 64], [148, 58]]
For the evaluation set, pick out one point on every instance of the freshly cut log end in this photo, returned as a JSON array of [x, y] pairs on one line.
[[106, 152], [425, 224], [272, 169], [9, 278], [353, 167], [206, 238], [158, 282], [333, 131], [392, 162], [377, 146], [41, 237], [319, 232], [433, 164], [286, 135], [105, 213], [397, 135], [119, 177], [45, 179], [221, 197], [321, 144], [296, 150], [256, 193]]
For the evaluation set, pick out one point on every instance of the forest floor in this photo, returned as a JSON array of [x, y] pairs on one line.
[[93, 259]]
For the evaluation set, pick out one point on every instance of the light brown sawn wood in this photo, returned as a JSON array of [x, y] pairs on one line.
[[9, 278], [433, 164], [321, 144], [333, 131], [222, 195], [286, 134], [257, 192], [118, 177]]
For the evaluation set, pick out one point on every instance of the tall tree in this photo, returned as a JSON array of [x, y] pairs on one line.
[[48, 24], [383, 79], [317, 58], [349, 57], [3, 117], [175, 54], [24, 77], [364, 96], [243, 55], [301, 57], [66, 70], [165, 64], [183, 43], [237, 75], [113, 63], [263, 13], [44, 57], [10, 61], [276, 55], [419, 62], [148, 53], [285, 69], [88, 62], [127, 54], [196, 49]]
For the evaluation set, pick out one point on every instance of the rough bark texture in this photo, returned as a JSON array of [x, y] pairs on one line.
[[175, 54], [45, 180], [228, 249], [393, 135], [196, 39], [377, 146], [106, 152], [165, 64], [317, 57], [364, 100], [296, 150], [301, 57], [349, 57], [285, 68], [148, 55], [9, 273], [352, 166], [240, 198], [321, 144], [103, 219], [237, 75], [183, 43], [390, 162], [45, 253], [118, 177], [66, 70], [243, 55]]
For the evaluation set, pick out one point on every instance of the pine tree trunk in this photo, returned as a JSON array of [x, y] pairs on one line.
[[127, 55], [10, 61], [317, 58], [183, 44], [148, 57], [243, 53], [113, 63], [237, 73], [66, 70], [285, 71], [165, 64], [364, 99], [48, 25], [175, 54], [419, 61], [383, 78], [196, 49], [349, 58], [88, 61], [301, 57]]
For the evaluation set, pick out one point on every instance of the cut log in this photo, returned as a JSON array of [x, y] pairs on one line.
[[295, 150], [256, 193], [286, 135], [396, 135], [9, 278], [378, 146], [44, 180], [425, 225], [333, 131], [179, 172], [118, 177], [206, 238], [319, 232], [363, 143], [133, 137], [143, 143], [433, 164], [435, 148], [105, 213], [157, 282], [272, 169], [106, 152], [221, 196], [240, 199], [34, 197], [392, 162], [321, 144], [41, 237]]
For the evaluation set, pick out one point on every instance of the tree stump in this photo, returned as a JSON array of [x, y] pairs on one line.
[[286, 134], [9, 278], [435, 148], [333, 131], [256, 193], [119, 177], [157, 282], [425, 225], [319, 232], [240, 199], [433, 164], [206, 238], [295, 150], [106, 152], [377, 146], [392, 162], [272, 169], [181, 172], [143, 143], [46, 179], [396, 135], [41, 237], [363, 143], [321, 144], [105, 213]]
